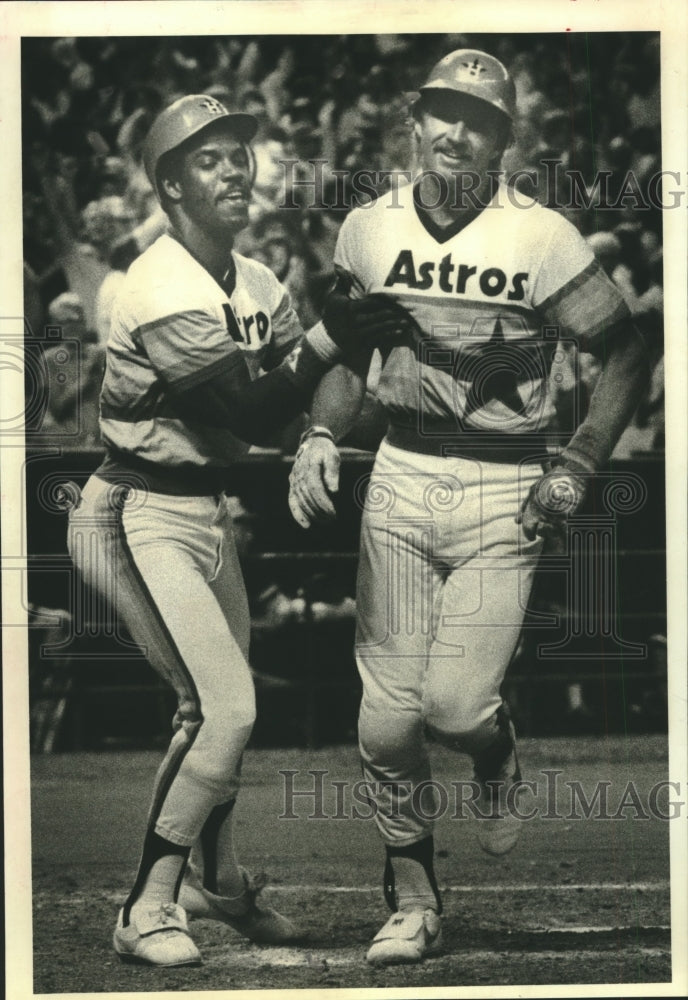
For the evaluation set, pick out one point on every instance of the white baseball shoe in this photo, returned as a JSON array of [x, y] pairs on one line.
[[156, 935], [246, 913], [498, 832], [408, 936]]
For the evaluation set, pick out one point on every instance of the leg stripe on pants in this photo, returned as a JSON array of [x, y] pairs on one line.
[[165, 643]]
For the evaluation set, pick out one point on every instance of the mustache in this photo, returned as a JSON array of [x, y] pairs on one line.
[[453, 148]]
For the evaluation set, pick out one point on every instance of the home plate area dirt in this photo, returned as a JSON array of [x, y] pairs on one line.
[[578, 901]]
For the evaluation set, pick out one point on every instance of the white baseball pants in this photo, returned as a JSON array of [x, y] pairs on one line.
[[443, 583], [169, 566]]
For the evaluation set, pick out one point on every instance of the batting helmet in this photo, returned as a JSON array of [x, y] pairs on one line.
[[469, 71], [187, 117]]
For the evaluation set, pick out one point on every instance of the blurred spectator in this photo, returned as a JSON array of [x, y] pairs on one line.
[[113, 178], [271, 183], [33, 306], [631, 273], [607, 248], [253, 102], [623, 254], [139, 194], [645, 432], [281, 248], [83, 241], [74, 371], [105, 223], [644, 102], [127, 248]]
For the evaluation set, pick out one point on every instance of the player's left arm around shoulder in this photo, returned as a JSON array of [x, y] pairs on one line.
[[625, 374]]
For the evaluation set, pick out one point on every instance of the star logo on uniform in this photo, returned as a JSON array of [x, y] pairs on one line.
[[489, 370]]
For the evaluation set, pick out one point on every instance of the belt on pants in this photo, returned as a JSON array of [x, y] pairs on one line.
[[512, 449]]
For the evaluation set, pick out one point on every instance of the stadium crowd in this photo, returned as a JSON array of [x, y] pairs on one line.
[[587, 103]]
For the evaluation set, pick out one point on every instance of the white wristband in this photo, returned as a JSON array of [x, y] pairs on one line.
[[323, 345]]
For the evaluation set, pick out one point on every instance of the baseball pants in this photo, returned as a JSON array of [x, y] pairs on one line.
[[169, 566], [443, 583]]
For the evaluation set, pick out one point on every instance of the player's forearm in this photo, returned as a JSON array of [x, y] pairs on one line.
[[338, 400], [616, 397], [253, 409]]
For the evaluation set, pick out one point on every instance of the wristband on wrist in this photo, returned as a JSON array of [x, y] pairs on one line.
[[589, 449], [322, 343], [316, 431], [573, 465]]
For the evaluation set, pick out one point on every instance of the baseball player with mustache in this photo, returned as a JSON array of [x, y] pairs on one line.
[[466, 484], [205, 356]]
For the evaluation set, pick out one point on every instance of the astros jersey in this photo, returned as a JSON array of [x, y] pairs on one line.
[[491, 303], [172, 326]]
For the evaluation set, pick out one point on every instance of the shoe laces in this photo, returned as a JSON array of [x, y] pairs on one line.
[[168, 913], [248, 897]]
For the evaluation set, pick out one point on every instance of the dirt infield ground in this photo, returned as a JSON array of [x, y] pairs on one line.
[[579, 900]]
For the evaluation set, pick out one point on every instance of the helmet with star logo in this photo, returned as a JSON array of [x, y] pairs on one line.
[[469, 71], [185, 118]]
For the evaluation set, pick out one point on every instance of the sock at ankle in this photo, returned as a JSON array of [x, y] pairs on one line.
[[410, 881], [221, 873], [413, 887], [159, 875]]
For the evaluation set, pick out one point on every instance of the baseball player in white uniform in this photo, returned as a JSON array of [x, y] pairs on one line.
[[205, 354], [466, 483]]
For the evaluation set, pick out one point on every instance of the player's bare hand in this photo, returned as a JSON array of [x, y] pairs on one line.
[[551, 500], [313, 480]]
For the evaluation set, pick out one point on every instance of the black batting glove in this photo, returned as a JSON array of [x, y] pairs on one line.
[[373, 321]]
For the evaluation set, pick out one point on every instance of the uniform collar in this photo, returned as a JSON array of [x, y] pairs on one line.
[[228, 280], [441, 234]]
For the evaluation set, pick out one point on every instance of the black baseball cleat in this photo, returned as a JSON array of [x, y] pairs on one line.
[[498, 775]]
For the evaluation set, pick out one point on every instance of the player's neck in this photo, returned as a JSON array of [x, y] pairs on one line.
[[457, 209], [212, 250]]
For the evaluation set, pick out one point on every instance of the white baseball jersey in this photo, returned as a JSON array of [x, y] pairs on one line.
[[491, 301], [172, 326]]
